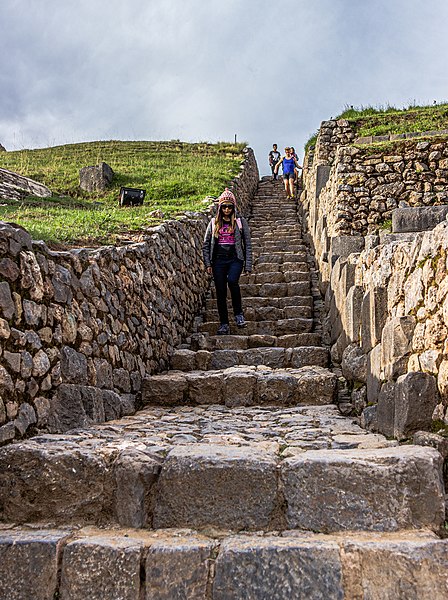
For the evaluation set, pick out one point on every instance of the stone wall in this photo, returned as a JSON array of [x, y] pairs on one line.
[[389, 328], [79, 330], [384, 292]]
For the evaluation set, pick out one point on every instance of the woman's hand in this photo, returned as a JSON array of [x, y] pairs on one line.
[[209, 270]]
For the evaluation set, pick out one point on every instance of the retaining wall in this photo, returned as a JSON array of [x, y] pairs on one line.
[[79, 330], [386, 320]]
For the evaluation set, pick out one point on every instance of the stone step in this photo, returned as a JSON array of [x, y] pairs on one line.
[[242, 469], [281, 257], [241, 386], [50, 563], [276, 277], [268, 313], [263, 248], [276, 328], [200, 341], [276, 358], [256, 302], [273, 290], [280, 267]]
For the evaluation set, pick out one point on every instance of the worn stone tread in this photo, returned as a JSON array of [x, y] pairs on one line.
[[242, 386], [207, 565]]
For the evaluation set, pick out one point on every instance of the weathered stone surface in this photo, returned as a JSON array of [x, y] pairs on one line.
[[51, 482], [416, 397], [17, 187], [96, 178], [285, 568], [417, 218], [135, 473], [25, 418], [385, 414], [6, 301], [178, 567], [354, 363], [352, 313], [307, 356], [73, 366], [396, 345], [360, 492], [411, 567], [101, 567], [226, 487], [74, 406], [373, 315], [29, 564], [374, 374], [425, 438]]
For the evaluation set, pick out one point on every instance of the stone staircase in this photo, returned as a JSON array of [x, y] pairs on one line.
[[238, 478]]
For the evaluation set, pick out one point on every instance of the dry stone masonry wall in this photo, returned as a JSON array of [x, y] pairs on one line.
[[385, 293], [80, 329]]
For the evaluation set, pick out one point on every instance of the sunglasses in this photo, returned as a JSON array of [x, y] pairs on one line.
[[227, 206]]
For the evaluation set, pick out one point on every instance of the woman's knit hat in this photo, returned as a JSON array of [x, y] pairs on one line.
[[227, 197]]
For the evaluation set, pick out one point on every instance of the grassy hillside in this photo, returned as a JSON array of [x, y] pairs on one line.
[[372, 121], [176, 176]]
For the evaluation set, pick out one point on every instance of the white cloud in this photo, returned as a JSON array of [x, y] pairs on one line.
[[100, 69]]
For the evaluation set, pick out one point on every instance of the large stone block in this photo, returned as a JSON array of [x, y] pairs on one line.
[[51, 481], [274, 568], [344, 245], [135, 474], [75, 406], [165, 390], [100, 567], [374, 374], [222, 486], [352, 313], [416, 397], [322, 176], [96, 178], [396, 345], [373, 317], [417, 218], [385, 412], [354, 363], [29, 564], [385, 489], [413, 566], [178, 567]]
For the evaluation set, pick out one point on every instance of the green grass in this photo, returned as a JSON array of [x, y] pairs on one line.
[[177, 176], [383, 120]]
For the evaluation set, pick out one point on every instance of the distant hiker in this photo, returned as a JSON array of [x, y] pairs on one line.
[[289, 165], [274, 157], [227, 249], [296, 170]]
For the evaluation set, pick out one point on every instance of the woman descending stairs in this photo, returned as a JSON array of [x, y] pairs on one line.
[[238, 479]]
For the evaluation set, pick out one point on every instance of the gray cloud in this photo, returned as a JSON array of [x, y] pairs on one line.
[[102, 69]]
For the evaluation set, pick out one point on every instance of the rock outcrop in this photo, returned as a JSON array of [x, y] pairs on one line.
[[17, 187]]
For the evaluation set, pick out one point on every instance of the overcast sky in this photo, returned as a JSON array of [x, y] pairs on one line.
[[195, 70]]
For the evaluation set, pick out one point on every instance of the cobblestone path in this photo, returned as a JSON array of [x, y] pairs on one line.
[[238, 479]]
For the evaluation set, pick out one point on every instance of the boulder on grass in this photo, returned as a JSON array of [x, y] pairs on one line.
[[16, 187], [96, 178]]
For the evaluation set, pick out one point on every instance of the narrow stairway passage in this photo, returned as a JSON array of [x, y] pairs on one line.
[[239, 478]]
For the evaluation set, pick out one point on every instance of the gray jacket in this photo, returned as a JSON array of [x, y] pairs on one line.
[[243, 245]]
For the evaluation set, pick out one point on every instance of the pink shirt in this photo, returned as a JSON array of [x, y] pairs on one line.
[[226, 237]]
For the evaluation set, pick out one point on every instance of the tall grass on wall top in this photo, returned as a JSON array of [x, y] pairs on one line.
[[369, 121], [176, 176]]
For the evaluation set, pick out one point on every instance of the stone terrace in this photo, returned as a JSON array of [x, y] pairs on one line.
[[238, 478]]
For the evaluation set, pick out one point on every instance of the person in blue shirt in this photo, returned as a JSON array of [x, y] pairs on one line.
[[289, 165]]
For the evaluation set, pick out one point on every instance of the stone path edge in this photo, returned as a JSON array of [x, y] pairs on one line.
[[211, 565]]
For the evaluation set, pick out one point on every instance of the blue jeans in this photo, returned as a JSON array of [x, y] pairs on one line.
[[227, 271]]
